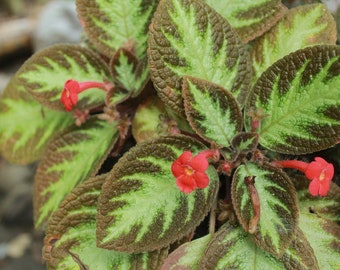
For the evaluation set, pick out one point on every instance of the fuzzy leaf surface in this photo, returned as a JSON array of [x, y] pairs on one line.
[[250, 18], [326, 207], [299, 99], [323, 236], [69, 160], [278, 205], [45, 73], [150, 120], [111, 25], [212, 111], [141, 208], [26, 126], [186, 257], [320, 222], [70, 241], [302, 26], [129, 73], [209, 51], [232, 248]]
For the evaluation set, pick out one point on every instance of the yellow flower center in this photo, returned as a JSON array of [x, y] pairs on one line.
[[322, 175], [189, 171]]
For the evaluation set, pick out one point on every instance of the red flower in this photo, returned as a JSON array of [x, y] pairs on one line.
[[320, 172], [69, 95], [189, 170]]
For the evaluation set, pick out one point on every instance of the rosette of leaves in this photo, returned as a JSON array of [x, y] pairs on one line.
[[34, 123], [134, 216]]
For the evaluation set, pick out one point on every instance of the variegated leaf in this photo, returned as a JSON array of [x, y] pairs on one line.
[[70, 241], [245, 142], [210, 50], [323, 236], [141, 208], [128, 73], [186, 257], [151, 120], [278, 205], [211, 110], [26, 126], [320, 222], [327, 207], [70, 159], [45, 73], [232, 248], [302, 26], [299, 100], [116, 24], [249, 18]]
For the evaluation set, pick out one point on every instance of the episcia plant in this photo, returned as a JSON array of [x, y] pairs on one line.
[[183, 134]]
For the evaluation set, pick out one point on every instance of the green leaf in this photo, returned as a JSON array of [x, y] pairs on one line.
[[326, 207], [129, 73], [26, 126], [320, 222], [211, 110], [151, 120], [111, 25], [278, 205], [245, 142], [210, 50], [299, 99], [250, 18], [232, 248], [302, 26], [45, 73], [186, 257], [323, 236], [141, 208], [70, 159], [70, 241]]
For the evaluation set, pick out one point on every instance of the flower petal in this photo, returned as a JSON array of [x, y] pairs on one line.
[[201, 179], [314, 187], [199, 163], [186, 183], [314, 170], [324, 188], [179, 165]]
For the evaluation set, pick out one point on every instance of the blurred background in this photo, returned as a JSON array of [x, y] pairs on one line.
[[27, 26]]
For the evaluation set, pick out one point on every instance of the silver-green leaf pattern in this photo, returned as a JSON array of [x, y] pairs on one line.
[[249, 18], [46, 72], [210, 50], [141, 208], [320, 222], [211, 110], [312, 24], [278, 205], [69, 160], [232, 248], [299, 101], [26, 126], [128, 73], [186, 257], [70, 241], [116, 24]]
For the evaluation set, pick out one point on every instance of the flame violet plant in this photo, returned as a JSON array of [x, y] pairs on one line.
[[183, 134]]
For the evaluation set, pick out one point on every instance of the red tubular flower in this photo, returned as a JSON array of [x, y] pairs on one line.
[[319, 171], [69, 95], [189, 170]]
